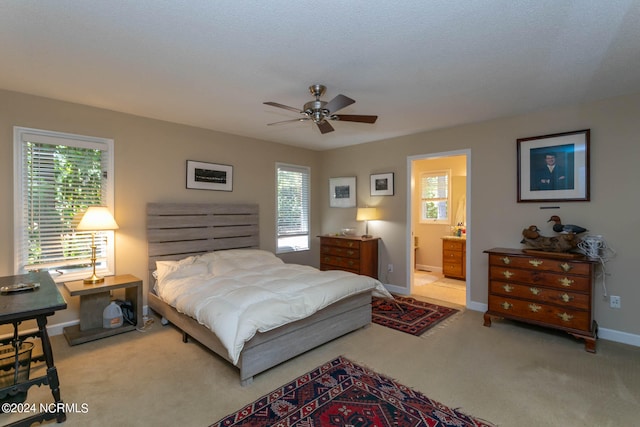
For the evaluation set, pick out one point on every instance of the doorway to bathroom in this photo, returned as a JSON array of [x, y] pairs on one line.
[[439, 211]]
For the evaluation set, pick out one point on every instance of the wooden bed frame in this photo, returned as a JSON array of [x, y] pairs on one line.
[[176, 231]]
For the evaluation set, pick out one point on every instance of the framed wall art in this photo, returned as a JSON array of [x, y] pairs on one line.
[[342, 192], [382, 184], [209, 176], [554, 168]]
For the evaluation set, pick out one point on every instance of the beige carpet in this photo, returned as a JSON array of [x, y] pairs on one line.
[[509, 374]]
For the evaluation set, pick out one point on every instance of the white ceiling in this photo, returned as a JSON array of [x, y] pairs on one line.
[[418, 65]]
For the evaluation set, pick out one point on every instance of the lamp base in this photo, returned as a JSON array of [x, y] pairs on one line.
[[366, 236], [93, 280]]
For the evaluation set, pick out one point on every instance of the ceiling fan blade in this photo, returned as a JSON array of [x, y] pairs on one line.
[[286, 107], [355, 118], [301, 119], [324, 127], [338, 103]]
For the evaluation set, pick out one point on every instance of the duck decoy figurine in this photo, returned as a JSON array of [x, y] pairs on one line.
[[562, 243], [559, 227]]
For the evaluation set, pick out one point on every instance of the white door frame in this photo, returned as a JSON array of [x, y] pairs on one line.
[[409, 239]]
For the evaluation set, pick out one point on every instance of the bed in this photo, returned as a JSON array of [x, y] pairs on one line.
[[177, 232]]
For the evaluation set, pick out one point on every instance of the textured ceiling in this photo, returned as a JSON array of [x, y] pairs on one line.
[[418, 65]]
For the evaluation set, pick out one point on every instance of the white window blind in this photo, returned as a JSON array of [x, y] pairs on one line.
[[292, 207], [435, 199], [57, 177]]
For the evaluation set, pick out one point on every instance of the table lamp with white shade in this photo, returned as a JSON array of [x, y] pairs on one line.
[[96, 218], [366, 215]]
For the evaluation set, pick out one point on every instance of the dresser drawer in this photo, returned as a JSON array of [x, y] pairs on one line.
[[452, 256], [343, 243], [544, 278], [449, 269], [541, 294], [540, 313], [542, 264], [340, 251], [342, 262], [453, 245]]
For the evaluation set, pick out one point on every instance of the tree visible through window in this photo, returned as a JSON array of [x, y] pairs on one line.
[[58, 176], [292, 208], [435, 200]]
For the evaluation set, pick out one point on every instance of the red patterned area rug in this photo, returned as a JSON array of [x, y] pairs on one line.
[[408, 314], [341, 393]]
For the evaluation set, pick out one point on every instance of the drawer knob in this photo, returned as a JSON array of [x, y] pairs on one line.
[[351, 263], [534, 291], [506, 305], [535, 307], [327, 259], [536, 262], [566, 297], [350, 244], [565, 317], [507, 288], [565, 281], [566, 267], [507, 274], [350, 252], [506, 260]]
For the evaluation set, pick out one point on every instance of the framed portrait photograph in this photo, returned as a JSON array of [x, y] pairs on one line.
[[382, 184], [342, 192], [554, 168], [209, 176]]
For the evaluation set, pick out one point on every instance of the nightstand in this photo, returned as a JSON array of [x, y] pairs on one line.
[[94, 299]]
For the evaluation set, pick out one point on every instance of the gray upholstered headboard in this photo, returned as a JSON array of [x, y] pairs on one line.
[[178, 230]]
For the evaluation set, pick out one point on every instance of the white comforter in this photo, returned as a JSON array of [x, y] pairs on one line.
[[240, 292]]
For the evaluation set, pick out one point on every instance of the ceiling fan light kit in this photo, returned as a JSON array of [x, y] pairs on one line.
[[321, 111]]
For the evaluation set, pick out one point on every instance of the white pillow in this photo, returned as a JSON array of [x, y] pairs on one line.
[[244, 259], [177, 269]]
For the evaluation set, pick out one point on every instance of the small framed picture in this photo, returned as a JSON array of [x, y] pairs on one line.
[[554, 168], [342, 192], [209, 176], [382, 184]]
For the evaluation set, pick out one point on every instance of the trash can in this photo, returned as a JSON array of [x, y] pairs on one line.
[[9, 376]]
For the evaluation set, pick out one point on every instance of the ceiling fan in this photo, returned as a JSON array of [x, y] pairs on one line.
[[320, 112]]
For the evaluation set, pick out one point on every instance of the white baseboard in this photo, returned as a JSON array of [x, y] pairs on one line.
[[617, 336]]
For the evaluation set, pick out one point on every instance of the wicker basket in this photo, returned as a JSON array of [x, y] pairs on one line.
[[8, 374]]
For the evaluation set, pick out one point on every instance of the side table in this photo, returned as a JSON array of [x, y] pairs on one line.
[[38, 304], [93, 300]]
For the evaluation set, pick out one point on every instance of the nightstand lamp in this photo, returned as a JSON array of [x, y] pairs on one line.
[[366, 215], [96, 218]]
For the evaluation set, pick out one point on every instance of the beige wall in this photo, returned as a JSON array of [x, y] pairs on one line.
[[150, 166], [150, 162], [496, 218]]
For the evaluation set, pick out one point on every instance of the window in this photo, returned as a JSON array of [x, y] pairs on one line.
[[292, 208], [435, 200], [57, 177]]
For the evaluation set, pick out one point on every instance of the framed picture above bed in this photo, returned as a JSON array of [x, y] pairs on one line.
[[209, 176], [342, 192], [554, 167]]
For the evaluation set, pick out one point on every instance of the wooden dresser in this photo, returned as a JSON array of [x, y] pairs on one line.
[[547, 289], [350, 253], [454, 257]]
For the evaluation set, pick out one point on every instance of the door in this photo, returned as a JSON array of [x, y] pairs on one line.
[[428, 231]]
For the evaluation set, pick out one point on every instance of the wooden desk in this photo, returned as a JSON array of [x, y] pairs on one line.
[[37, 304]]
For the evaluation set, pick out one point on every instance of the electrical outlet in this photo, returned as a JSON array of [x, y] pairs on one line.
[[390, 268], [614, 301]]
